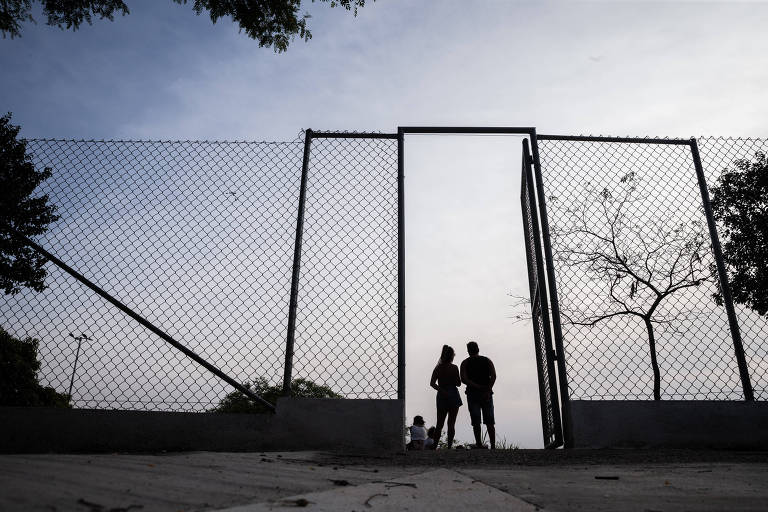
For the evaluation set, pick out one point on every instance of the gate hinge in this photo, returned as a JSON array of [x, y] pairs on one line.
[[553, 354]]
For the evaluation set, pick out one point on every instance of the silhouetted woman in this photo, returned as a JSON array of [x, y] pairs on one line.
[[446, 380]]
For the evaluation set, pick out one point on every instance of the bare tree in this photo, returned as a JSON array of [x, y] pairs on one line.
[[633, 264]]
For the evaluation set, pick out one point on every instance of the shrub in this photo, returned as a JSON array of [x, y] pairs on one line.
[[237, 402], [18, 375]]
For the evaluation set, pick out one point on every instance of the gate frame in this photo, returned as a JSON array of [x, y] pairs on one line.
[[402, 131], [559, 353], [539, 299]]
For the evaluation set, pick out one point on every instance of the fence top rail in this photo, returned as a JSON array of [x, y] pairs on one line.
[[349, 135], [636, 140], [468, 130], [160, 141]]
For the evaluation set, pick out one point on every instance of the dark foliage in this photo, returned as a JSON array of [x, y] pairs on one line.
[[18, 375], [59, 13], [740, 204], [300, 388], [20, 213], [273, 23]]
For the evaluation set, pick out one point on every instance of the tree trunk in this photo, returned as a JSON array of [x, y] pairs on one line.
[[654, 363]]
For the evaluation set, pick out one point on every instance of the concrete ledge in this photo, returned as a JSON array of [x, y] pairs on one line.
[[299, 424], [670, 424], [348, 425]]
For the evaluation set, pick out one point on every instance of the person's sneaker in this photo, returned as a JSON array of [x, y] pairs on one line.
[[479, 447]]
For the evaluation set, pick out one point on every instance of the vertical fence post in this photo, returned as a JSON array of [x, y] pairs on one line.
[[562, 375], [725, 288], [400, 264], [288, 368]]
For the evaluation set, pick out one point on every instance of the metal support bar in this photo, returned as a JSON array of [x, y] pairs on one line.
[[74, 366], [635, 140], [725, 288], [290, 338], [467, 130], [144, 322], [353, 135], [562, 374], [400, 264]]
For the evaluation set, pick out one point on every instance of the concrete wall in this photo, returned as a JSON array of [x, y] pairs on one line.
[[298, 424], [670, 424]]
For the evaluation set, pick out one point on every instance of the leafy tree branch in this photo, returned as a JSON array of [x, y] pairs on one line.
[[273, 23], [20, 212], [740, 204]]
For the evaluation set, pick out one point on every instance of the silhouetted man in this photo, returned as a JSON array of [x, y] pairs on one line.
[[479, 374]]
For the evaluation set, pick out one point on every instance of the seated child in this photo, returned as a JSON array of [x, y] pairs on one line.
[[430, 443], [418, 433]]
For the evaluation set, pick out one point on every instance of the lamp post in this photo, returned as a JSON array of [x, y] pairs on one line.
[[79, 340]]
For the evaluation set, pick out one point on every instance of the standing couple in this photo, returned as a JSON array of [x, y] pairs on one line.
[[479, 375]]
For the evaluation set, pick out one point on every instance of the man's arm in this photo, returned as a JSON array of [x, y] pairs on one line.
[[492, 369], [465, 379]]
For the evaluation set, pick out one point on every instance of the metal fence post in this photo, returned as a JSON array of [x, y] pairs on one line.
[[565, 401], [725, 289], [400, 264], [290, 338]]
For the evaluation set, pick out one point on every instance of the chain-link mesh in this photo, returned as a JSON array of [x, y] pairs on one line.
[[198, 237], [195, 236], [541, 329], [718, 155], [634, 269], [346, 322]]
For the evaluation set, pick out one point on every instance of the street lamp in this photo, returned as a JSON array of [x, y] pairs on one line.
[[77, 356]]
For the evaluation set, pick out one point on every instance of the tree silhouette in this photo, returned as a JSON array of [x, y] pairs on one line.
[[634, 264], [740, 204], [20, 213], [18, 375], [272, 23], [237, 402]]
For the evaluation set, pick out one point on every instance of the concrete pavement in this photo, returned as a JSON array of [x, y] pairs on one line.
[[434, 491], [515, 480]]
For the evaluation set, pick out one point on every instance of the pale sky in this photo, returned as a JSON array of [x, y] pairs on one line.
[[619, 68]]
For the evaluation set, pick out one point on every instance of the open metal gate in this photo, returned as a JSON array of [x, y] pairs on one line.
[[545, 355]]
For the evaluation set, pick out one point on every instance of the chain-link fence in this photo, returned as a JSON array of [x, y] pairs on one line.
[[198, 238], [636, 274], [719, 155], [346, 322]]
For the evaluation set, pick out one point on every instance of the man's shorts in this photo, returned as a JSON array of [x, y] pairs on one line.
[[477, 404]]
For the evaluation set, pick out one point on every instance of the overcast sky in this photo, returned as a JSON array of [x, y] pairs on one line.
[[645, 68]]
